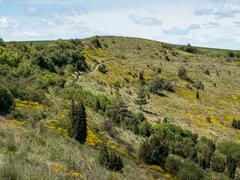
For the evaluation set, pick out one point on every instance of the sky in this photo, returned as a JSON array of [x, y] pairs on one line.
[[209, 23]]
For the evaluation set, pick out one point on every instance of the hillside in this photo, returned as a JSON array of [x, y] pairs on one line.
[[134, 90]]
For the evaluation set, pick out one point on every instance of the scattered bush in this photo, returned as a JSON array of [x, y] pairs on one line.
[[109, 159], [6, 100]]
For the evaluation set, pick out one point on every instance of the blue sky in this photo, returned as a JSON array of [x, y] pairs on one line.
[[211, 23]]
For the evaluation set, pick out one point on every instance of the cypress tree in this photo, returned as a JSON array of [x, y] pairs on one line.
[[78, 123]]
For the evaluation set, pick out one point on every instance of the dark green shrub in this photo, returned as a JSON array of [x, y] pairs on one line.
[[103, 68], [6, 100], [145, 129], [153, 151], [199, 85], [78, 123], [236, 124], [182, 73], [2, 43], [173, 164], [159, 84], [231, 54], [218, 163], [231, 166], [109, 159], [189, 48], [190, 171]]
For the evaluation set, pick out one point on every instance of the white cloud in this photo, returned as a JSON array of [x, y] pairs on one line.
[[220, 10], [6, 22], [145, 21]]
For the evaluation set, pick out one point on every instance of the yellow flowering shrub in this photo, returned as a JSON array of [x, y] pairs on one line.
[[18, 123], [92, 138]]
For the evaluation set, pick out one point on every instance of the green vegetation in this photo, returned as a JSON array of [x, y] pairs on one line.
[[115, 107]]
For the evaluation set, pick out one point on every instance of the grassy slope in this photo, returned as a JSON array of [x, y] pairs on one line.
[[51, 154], [126, 57]]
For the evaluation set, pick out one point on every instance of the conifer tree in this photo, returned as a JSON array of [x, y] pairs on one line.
[[141, 97], [78, 122]]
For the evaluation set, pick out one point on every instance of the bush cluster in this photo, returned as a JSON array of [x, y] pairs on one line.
[[109, 159]]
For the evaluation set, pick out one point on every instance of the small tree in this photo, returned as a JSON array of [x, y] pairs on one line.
[[189, 48], [141, 78], [6, 100], [141, 97], [78, 122], [197, 95]]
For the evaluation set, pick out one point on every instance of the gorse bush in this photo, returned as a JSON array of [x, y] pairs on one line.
[[6, 100], [109, 159]]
